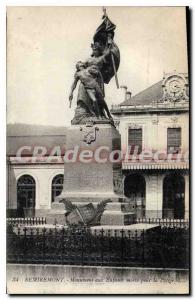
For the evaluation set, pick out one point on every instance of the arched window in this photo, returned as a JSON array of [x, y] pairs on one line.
[[135, 190], [173, 196], [26, 188], [57, 186]]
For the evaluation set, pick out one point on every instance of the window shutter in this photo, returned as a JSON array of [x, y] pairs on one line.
[[173, 140], [135, 139]]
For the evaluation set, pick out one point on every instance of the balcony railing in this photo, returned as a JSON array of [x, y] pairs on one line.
[[26, 221], [169, 223]]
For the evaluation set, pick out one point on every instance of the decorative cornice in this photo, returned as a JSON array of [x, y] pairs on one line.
[[174, 119], [119, 110], [155, 121]]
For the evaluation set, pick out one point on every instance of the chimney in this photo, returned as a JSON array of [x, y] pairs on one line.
[[125, 90], [128, 95]]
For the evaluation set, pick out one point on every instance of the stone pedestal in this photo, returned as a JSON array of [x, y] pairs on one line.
[[92, 171], [56, 214]]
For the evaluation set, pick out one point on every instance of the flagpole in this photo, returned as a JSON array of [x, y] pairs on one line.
[[112, 56], [115, 73], [104, 11]]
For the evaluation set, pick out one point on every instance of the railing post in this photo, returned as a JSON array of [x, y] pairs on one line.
[[102, 245], [82, 246], [136, 243], [109, 240], [36, 238], [143, 248], [24, 244], [129, 244], [122, 246], [44, 240], [95, 244], [62, 244]]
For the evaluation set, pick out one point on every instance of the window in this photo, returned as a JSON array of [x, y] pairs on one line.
[[57, 186], [173, 140], [26, 192], [135, 140]]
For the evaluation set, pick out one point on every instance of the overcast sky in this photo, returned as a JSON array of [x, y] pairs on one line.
[[44, 43]]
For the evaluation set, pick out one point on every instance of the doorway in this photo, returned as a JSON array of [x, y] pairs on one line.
[[135, 191], [173, 196]]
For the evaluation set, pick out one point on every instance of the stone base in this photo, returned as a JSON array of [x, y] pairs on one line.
[[56, 218], [113, 214], [56, 214], [89, 197], [80, 120], [154, 214], [94, 181], [94, 177], [111, 217]]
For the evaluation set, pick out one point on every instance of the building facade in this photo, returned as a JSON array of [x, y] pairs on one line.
[[154, 128], [35, 169]]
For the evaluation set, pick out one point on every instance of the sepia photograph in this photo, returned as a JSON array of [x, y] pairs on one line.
[[97, 150]]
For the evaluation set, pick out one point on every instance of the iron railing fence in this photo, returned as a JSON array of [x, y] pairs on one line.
[[178, 223], [163, 248], [26, 221]]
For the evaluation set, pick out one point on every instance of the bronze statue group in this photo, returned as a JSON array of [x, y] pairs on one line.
[[93, 74]]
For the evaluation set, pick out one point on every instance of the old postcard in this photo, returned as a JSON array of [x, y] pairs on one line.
[[97, 150]]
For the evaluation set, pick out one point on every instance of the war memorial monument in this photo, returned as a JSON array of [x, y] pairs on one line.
[[92, 191], [90, 238]]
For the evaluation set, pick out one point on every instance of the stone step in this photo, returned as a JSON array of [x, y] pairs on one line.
[[90, 197], [112, 217], [109, 206]]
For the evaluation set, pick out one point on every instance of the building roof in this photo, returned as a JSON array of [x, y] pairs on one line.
[[147, 96], [21, 135], [20, 129]]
